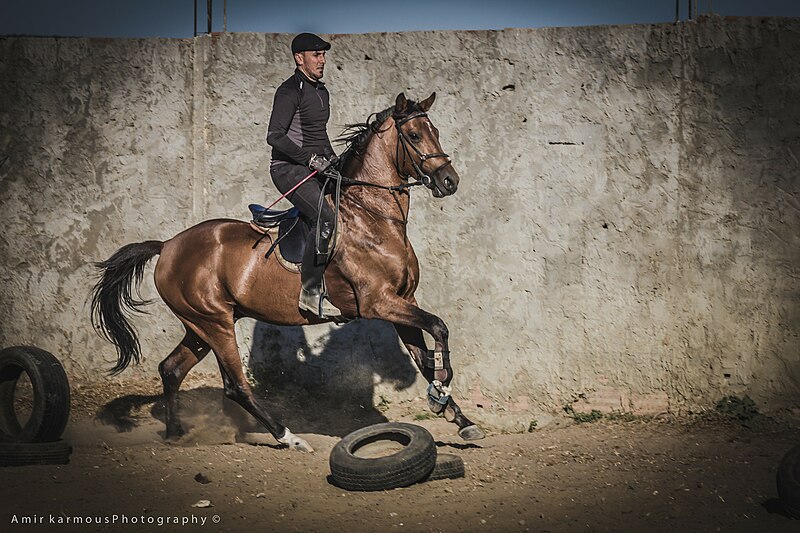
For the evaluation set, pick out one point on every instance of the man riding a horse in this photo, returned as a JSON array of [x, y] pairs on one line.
[[218, 271], [299, 139]]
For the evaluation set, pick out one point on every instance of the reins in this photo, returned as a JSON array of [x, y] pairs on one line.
[[401, 187], [403, 221], [335, 175]]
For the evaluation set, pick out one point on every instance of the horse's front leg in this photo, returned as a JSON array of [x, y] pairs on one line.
[[410, 321], [415, 344]]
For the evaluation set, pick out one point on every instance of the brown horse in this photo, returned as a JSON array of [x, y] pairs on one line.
[[214, 273]]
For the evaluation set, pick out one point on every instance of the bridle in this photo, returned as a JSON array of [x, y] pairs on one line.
[[404, 142], [421, 177]]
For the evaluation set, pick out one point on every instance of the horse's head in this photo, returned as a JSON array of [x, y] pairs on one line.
[[419, 154]]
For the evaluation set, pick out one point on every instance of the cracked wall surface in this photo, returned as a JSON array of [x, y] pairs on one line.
[[625, 233]]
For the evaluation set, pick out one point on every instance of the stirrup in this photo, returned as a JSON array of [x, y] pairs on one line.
[[319, 305]]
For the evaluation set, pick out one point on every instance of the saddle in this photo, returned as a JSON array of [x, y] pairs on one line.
[[287, 228], [289, 234]]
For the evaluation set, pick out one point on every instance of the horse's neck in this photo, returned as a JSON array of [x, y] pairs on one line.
[[379, 168]]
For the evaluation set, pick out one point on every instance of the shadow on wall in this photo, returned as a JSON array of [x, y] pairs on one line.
[[322, 379]]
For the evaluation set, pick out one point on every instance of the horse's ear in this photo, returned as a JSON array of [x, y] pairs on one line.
[[428, 102], [400, 104]]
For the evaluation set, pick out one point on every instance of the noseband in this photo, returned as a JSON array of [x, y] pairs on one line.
[[405, 142]]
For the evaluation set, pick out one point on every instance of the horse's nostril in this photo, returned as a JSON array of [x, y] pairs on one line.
[[448, 183]]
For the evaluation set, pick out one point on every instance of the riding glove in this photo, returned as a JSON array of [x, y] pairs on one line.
[[320, 163]]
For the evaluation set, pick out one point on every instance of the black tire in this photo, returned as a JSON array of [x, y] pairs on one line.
[[34, 453], [412, 463], [51, 397], [448, 466], [789, 482]]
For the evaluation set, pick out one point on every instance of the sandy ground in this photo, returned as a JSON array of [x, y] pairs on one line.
[[707, 474]]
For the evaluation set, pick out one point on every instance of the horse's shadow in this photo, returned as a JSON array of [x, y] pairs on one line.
[[205, 412], [121, 412], [323, 380], [313, 380]]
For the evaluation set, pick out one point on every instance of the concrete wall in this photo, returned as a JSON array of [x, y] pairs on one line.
[[625, 233]]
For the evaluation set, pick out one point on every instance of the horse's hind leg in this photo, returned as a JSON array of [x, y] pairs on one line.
[[222, 338], [173, 370], [415, 344]]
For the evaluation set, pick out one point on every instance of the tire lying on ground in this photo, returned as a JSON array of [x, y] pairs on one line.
[[448, 466], [382, 457], [789, 482], [50, 409], [34, 453]]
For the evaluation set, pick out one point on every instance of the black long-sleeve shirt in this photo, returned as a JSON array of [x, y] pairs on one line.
[[297, 125]]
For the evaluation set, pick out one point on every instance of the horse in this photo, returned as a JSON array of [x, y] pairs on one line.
[[214, 273]]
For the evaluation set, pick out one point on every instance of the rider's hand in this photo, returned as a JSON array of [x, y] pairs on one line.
[[319, 163]]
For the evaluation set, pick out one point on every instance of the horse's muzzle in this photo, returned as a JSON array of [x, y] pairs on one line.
[[445, 181]]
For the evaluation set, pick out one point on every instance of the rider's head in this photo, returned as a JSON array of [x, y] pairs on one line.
[[309, 54]]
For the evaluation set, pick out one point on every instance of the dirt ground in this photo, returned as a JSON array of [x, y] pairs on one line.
[[704, 474]]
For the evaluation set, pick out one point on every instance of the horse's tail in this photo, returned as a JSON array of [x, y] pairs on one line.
[[112, 299]]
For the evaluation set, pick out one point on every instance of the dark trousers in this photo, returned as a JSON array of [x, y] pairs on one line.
[[307, 199]]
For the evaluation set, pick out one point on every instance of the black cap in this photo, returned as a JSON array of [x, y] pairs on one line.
[[308, 42]]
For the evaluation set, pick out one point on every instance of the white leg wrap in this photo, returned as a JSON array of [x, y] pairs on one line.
[[294, 442], [287, 437]]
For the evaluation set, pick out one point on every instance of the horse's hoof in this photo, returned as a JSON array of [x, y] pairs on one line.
[[294, 442], [174, 434], [300, 445], [472, 432]]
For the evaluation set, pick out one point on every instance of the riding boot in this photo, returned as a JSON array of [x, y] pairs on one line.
[[312, 296]]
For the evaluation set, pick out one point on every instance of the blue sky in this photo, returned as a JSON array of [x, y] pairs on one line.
[[173, 18]]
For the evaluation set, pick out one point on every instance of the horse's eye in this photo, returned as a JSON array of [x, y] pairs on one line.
[[414, 136]]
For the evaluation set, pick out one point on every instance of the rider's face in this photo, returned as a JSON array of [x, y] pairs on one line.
[[311, 63]]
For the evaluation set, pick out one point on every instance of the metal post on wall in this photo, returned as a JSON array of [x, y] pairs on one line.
[[690, 9], [208, 4], [677, 10], [195, 19], [225, 16]]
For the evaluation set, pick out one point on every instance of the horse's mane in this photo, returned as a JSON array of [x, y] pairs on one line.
[[357, 136]]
